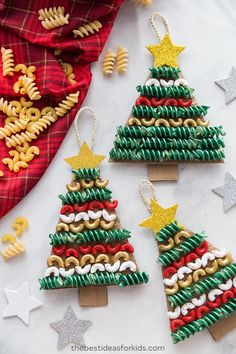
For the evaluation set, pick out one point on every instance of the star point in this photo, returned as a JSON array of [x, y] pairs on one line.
[[229, 86], [166, 52], [85, 159], [227, 192], [160, 217], [70, 329], [20, 303]]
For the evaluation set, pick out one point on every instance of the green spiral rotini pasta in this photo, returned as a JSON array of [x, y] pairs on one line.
[[104, 278], [165, 72], [165, 92], [203, 286], [170, 132], [162, 155], [87, 173], [167, 143], [169, 111], [85, 195], [184, 248], [208, 320], [63, 238], [166, 232]]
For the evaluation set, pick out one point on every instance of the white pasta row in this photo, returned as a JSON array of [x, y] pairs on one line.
[[67, 104]]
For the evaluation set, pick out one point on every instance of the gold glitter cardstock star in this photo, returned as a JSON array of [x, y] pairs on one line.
[[160, 217], [85, 159], [166, 52]]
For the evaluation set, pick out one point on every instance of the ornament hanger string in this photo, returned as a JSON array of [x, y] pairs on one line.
[[76, 126], [148, 186], [154, 26]]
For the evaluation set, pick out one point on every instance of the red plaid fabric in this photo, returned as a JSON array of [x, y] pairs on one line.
[[21, 31]]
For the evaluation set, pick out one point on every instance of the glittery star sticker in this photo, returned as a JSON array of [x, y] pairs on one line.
[[229, 86], [85, 159], [160, 217], [70, 329], [166, 52], [227, 192], [20, 303]]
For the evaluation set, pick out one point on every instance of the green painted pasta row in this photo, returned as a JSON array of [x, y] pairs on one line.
[[203, 286], [208, 320], [165, 92], [170, 132], [165, 72], [85, 195], [184, 248], [63, 238], [166, 155], [168, 231], [169, 111], [166, 143], [87, 173], [103, 278]]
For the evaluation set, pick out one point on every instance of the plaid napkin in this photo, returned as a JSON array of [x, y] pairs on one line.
[[21, 31]]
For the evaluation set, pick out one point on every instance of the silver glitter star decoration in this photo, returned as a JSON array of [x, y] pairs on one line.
[[229, 86], [70, 329], [227, 192]]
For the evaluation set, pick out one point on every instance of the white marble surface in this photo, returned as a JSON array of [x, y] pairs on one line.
[[136, 315]]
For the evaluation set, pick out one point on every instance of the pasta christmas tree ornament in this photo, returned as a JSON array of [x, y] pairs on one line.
[[166, 125], [90, 249], [199, 279]]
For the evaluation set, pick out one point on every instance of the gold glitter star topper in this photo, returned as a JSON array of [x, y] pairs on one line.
[[86, 158], [160, 217], [166, 52]]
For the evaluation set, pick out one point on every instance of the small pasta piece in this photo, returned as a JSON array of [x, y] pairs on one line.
[[7, 62], [67, 104], [9, 162], [29, 154], [55, 21], [52, 11], [12, 128], [33, 114], [7, 108], [31, 88], [25, 103], [48, 109], [13, 250], [30, 70], [18, 165], [11, 119], [108, 63], [17, 105], [23, 148], [16, 156], [68, 69], [121, 60], [21, 67], [87, 29], [143, 2], [71, 78], [1, 173], [18, 87], [22, 114], [42, 124], [57, 51]]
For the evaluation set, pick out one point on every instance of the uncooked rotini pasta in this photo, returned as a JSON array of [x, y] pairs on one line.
[[42, 124], [7, 62], [108, 63], [55, 21], [13, 250], [12, 128], [31, 88], [7, 108], [121, 60], [20, 139], [51, 12], [67, 104], [143, 2], [87, 29]]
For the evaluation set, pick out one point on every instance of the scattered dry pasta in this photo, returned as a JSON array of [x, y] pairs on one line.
[[108, 63], [67, 104], [7, 62], [122, 60], [53, 17], [87, 29], [68, 69], [7, 108]]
